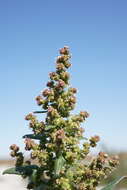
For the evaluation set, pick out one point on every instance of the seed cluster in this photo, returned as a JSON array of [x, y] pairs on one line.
[[55, 142]]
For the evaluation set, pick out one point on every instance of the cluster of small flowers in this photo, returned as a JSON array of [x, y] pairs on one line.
[[89, 176], [15, 153], [34, 124], [59, 137], [59, 80], [30, 144]]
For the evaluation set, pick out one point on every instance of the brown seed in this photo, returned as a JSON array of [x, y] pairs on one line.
[[64, 50], [84, 114], [14, 147], [12, 154], [50, 84], [46, 92], [29, 116]]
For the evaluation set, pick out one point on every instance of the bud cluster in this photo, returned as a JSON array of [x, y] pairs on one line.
[[30, 144], [94, 140], [15, 153], [55, 142]]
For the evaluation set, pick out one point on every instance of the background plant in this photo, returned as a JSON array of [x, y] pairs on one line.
[[57, 160], [120, 170]]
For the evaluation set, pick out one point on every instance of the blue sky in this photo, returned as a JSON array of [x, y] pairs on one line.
[[31, 32]]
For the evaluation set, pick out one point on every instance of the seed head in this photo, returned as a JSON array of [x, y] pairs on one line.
[[60, 134], [84, 114], [29, 116], [14, 147], [60, 84], [46, 92], [64, 50], [73, 90], [73, 99], [50, 84], [103, 154], [39, 100], [29, 144], [60, 66], [13, 154], [94, 140], [54, 76]]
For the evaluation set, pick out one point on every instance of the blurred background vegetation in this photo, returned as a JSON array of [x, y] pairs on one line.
[[121, 169]]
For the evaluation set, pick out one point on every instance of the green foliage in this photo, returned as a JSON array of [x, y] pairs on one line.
[[35, 136], [50, 127], [21, 170], [41, 187], [40, 112], [59, 163], [55, 141]]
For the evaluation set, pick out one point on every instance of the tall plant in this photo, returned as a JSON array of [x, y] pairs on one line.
[[57, 161]]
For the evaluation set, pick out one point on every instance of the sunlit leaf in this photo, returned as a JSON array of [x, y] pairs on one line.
[[39, 111], [59, 163], [48, 127], [35, 136], [21, 170], [12, 171], [33, 176], [82, 138]]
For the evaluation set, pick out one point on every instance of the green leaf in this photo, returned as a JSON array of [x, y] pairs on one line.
[[48, 127], [59, 163], [41, 187], [12, 171], [21, 170], [82, 138], [33, 176], [70, 174], [39, 111], [112, 185], [34, 136]]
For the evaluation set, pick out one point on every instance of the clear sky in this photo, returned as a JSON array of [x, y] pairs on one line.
[[31, 32]]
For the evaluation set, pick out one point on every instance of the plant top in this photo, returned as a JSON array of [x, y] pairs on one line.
[[57, 161]]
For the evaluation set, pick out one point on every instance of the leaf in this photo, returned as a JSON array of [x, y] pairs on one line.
[[12, 171], [70, 174], [34, 136], [41, 187], [21, 170], [48, 127], [39, 111], [33, 176], [59, 162], [113, 183], [82, 138]]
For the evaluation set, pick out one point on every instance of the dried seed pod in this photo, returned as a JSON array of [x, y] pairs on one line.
[[29, 116], [29, 144], [64, 50], [84, 114], [94, 140], [13, 154], [14, 147]]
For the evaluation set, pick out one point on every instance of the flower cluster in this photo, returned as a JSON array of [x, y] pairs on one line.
[[15, 153], [54, 144]]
